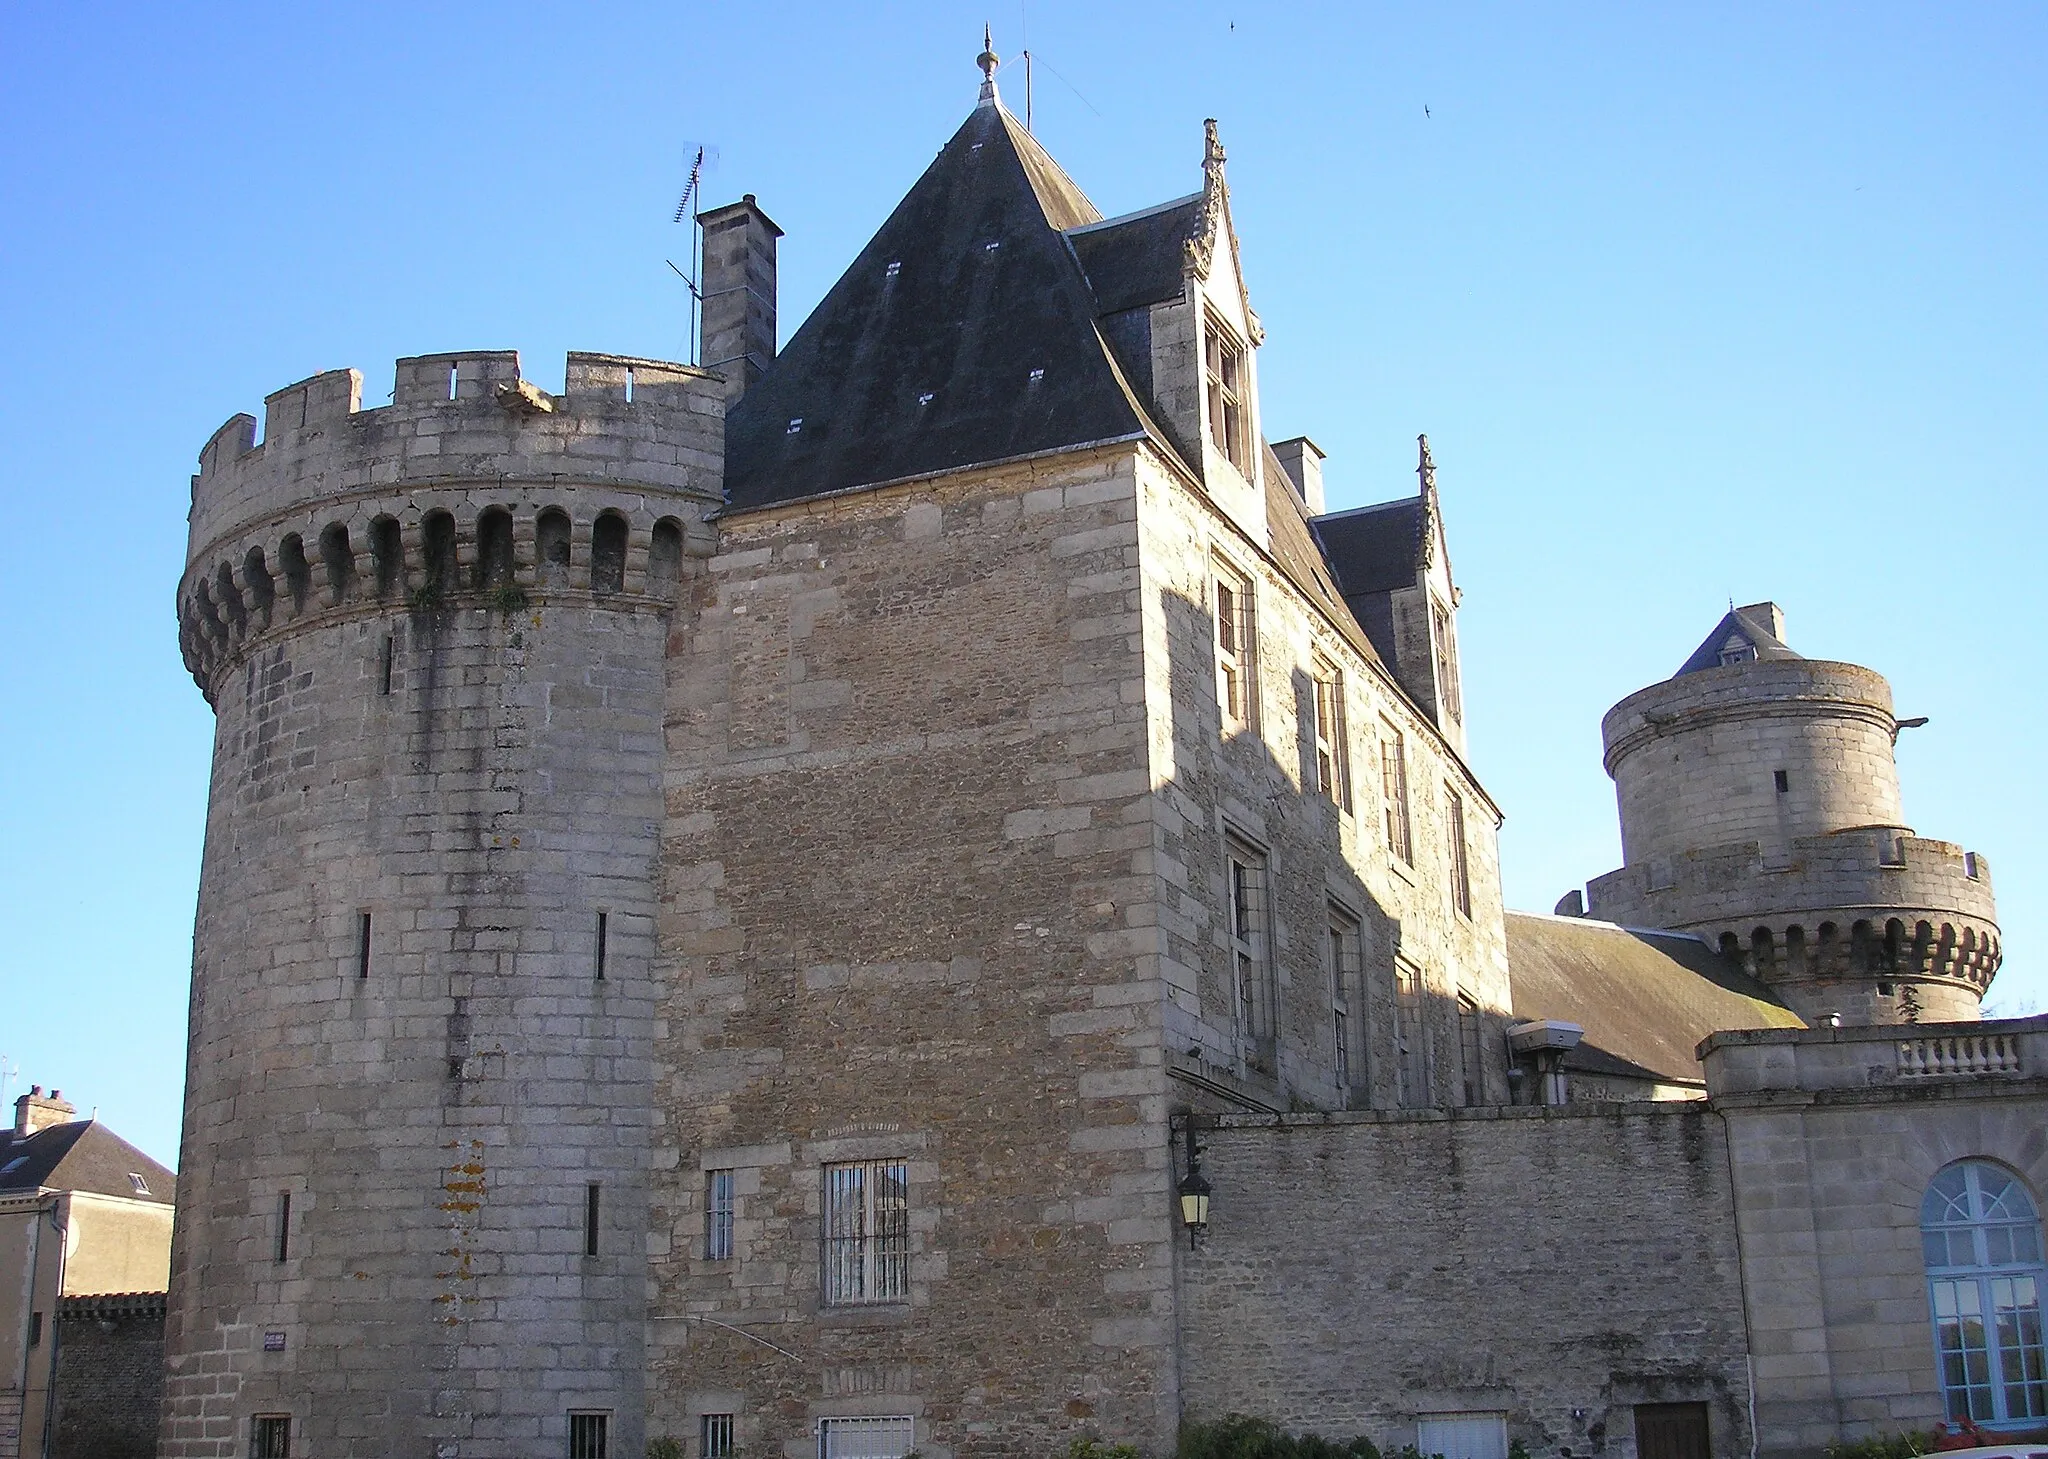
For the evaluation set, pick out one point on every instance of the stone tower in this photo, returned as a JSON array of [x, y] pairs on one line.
[[1760, 809], [413, 1193]]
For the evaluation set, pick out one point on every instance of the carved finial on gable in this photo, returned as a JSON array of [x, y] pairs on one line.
[[1425, 467], [988, 62], [1201, 248]]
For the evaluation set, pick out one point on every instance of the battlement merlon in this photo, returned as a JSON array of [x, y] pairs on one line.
[[653, 425]]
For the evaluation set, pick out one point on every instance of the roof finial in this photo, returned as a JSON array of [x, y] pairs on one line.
[[988, 61], [1426, 467]]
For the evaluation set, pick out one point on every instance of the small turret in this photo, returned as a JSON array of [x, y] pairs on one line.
[[1760, 809]]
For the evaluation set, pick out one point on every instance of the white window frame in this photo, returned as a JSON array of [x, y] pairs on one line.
[[1986, 1275], [1234, 617], [717, 1435], [866, 1233], [721, 1206], [1462, 1435], [1331, 749], [1227, 391], [1247, 873], [1394, 792]]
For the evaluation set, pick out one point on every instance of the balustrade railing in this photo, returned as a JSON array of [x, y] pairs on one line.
[[1953, 1056]]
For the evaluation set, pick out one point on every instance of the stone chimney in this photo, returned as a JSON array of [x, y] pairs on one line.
[[38, 1111], [1302, 459], [738, 338], [1768, 614]]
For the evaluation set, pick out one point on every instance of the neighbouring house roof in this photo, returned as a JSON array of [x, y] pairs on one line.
[[83, 1155], [965, 332], [1645, 999], [1744, 625], [1140, 258], [1374, 549]]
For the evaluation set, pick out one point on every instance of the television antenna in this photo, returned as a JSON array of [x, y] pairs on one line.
[[704, 158]]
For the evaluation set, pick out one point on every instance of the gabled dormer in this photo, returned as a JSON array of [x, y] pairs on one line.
[[1169, 282], [1393, 564]]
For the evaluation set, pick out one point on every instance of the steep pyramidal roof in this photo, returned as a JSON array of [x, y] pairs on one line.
[[963, 333], [1754, 630]]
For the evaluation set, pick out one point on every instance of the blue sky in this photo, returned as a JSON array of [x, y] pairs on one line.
[[1741, 301]]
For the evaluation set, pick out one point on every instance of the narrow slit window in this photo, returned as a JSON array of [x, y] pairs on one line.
[[453, 376], [603, 937], [718, 1215], [362, 944], [629, 384], [592, 1193], [384, 667], [283, 1248], [1782, 780]]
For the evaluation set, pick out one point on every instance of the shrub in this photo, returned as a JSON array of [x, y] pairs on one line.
[[1906, 1445], [1239, 1437]]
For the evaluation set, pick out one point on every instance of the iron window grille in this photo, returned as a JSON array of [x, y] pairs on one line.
[[867, 1438], [589, 1435], [715, 1436], [867, 1232], [718, 1214], [270, 1437]]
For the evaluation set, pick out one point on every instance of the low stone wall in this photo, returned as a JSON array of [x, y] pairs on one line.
[[110, 1377], [1556, 1266]]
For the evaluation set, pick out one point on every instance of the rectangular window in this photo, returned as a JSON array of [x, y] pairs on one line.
[[1394, 791], [283, 1249], [35, 1329], [1471, 1051], [362, 944], [1411, 1039], [384, 670], [718, 1212], [1462, 1435], [591, 1195], [603, 931], [1333, 768], [1341, 947], [1251, 967], [867, 1232], [1237, 693], [714, 1436], [1445, 632], [1461, 867], [1782, 781], [270, 1436], [589, 1435], [866, 1438], [1229, 419]]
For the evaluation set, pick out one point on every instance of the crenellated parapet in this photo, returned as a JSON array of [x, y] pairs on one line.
[[1874, 904], [472, 485]]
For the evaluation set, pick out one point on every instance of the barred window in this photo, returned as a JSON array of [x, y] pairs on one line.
[[1342, 950], [588, 1435], [715, 1436], [867, 1232], [1332, 768], [718, 1213], [1394, 791], [1251, 967], [1461, 868], [270, 1436], [866, 1438], [1236, 650], [1411, 1039]]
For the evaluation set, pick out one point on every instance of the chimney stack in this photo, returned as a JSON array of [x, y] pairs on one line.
[[738, 339], [1302, 459], [1769, 614], [38, 1111]]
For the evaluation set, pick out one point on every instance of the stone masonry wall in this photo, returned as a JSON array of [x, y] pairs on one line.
[[389, 1148], [907, 914], [1219, 782], [1556, 1266], [109, 1383]]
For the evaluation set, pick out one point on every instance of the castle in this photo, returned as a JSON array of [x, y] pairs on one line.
[[917, 891]]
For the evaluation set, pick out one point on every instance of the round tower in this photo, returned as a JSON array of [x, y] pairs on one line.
[[1760, 809], [412, 1198]]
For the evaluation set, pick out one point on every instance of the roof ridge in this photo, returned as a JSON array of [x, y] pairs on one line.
[[1137, 214]]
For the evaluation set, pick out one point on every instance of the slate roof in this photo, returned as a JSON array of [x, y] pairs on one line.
[[1140, 258], [1374, 549], [1736, 623], [83, 1155], [1645, 999], [932, 367]]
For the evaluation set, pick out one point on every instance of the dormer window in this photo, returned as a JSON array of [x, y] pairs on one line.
[[1737, 651], [1229, 413]]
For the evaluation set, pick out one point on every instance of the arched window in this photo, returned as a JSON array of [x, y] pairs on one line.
[[1981, 1238]]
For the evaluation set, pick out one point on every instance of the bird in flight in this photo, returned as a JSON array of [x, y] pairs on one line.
[[1425, 109]]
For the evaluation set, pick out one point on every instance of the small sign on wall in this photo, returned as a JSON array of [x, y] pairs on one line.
[[273, 1342]]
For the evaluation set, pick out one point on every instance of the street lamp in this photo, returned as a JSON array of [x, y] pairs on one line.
[[1194, 1191]]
